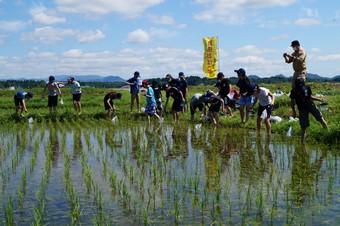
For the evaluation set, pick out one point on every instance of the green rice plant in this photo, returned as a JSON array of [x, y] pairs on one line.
[[9, 213]]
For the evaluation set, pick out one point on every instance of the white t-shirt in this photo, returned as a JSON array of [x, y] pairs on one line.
[[263, 97], [75, 88]]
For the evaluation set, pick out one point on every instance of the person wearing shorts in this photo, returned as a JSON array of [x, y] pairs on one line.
[[53, 92], [215, 104], [76, 94], [246, 92], [303, 98], [20, 103], [199, 101], [177, 106], [266, 102], [108, 102], [223, 85]]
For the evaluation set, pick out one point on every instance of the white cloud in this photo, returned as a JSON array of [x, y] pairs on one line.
[[14, 25], [123, 62], [128, 8], [49, 35], [234, 11], [307, 21], [310, 17], [42, 15], [280, 37], [138, 36], [90, 36], [252, 50], [331, 57], [162, 19]]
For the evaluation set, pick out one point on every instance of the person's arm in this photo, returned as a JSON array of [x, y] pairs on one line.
[[58, 89], [24, 105], [292, 104], [181, 95], [108, 102], [316, 99], [272, 97], [222, 102], [255, 101], [288, 58]]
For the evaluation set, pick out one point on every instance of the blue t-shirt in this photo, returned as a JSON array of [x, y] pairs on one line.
[[134, 89], [150, 96], [20, 95]]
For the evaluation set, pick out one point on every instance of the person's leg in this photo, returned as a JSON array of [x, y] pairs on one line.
[[259, 123], [318, 116], [248, 109], [242, 113], [132, 102], [268, 125], [79, 106], [303, 134], [137, 101]]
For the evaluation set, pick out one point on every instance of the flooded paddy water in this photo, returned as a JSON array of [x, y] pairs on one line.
[[93, 172]]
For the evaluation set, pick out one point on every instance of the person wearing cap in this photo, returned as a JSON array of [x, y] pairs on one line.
[[183, 87], [20, 102], [302, 95], [223, 86], [108, 103], [172, 82], [134, 89], [298, 59], [76, 93], [246, 92], [266, 102], [53, 91], [150, 108]]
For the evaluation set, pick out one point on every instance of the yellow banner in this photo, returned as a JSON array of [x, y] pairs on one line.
[[210, 61]]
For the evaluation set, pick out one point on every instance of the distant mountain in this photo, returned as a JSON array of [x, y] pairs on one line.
[[91, 78]]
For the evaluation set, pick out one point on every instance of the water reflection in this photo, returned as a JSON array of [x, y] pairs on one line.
[[205, 174]]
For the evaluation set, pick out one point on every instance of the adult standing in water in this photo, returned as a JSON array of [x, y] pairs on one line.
[[298, 59], [53, 92], [183, 87], [76, 94], [246, 92], [303, 98], [134, 90]]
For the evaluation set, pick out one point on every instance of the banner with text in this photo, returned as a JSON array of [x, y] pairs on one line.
[[210, 61]]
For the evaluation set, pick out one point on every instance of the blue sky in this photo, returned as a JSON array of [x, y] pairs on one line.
[[156, 37]]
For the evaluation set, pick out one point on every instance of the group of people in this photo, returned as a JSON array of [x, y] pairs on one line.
[[210, 104]]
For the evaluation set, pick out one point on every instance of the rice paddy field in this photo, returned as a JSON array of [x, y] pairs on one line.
[[66, 169]]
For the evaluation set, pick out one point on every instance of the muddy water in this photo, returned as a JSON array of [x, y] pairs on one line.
[[186, 175]]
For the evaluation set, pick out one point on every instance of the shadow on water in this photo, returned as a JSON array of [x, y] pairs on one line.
[[178, 174]]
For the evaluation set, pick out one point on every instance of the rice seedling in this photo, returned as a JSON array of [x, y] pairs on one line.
[[9, 213]]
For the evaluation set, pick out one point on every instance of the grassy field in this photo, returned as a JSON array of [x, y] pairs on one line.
[[92, 102]]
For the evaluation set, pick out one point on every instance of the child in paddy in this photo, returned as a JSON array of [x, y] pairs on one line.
[[19, 101], [215, 104], [108, 102], [150, 108], [266, 102], [177, 95]]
